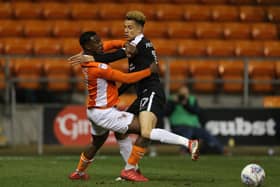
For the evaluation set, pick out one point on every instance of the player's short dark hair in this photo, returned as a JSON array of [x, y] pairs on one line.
[[86, 37], [136, 16]]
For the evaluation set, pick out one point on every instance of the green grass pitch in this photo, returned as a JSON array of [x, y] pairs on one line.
[[163, 171]]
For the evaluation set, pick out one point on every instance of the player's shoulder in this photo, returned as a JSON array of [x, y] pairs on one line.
[[146, 43], [145, 40]]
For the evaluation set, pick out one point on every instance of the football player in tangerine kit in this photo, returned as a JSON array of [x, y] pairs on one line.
[[92, 44], [103, 96]]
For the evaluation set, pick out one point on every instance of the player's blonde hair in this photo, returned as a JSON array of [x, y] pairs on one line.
[[137, 16]]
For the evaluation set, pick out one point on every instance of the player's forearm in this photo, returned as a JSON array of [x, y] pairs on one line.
[[130, 77], [110, 57], [113, 44]]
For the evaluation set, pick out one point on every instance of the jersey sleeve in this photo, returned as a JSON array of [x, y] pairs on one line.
[[109, 73], [113, 44], [110, 57]]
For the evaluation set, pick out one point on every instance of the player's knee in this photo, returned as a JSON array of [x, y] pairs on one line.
[[120, 136], [146, 133]]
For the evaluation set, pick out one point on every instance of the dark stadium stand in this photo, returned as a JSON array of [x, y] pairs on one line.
[[14, 46], [57, 69], [70, 46], [28, 68], [232, 71], [271, 101], [178, 29], [77, 72], [37, 28], [262, 71], [46, 46], [26, 10], [179, 70], [2, 75], [204, 72]]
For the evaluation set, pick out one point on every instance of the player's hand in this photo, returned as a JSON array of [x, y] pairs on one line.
[[80, 58], [130, 50], [154, 68]]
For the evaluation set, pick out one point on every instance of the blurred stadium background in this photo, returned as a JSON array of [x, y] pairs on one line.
[[226, 51]]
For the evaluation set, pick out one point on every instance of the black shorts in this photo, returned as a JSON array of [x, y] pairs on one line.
[[149, 100]]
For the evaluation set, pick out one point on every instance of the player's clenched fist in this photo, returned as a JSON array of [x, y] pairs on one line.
[[130, 50]]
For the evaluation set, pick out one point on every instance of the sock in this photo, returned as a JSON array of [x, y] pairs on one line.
[[83, 163], [136, 154], [165, 136], [125, 148]]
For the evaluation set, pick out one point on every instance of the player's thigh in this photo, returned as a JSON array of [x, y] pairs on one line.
[[97, 130], [111, 119], [148, 121], [151, 108]]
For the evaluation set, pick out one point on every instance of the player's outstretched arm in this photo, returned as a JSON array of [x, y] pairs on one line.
[[80, 58], [113, 44], [129, 78], [103, 57], [110, 57], [129, 51]]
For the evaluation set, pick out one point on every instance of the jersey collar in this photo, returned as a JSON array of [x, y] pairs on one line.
[[137, 39]]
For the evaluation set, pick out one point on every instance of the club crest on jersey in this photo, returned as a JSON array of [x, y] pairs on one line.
[[103, 66]]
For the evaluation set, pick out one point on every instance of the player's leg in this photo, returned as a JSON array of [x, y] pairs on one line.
[[151, 107], [148, 121], [125, 144], [100, 133], [165, 136], [130, 172], [118, 121], [140, 146], [87, 157], [137, 151]]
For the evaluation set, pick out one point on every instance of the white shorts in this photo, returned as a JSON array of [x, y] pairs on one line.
[[109, 119]]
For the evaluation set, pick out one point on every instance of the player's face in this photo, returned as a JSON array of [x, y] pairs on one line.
[[132, 29], [95, 45]]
